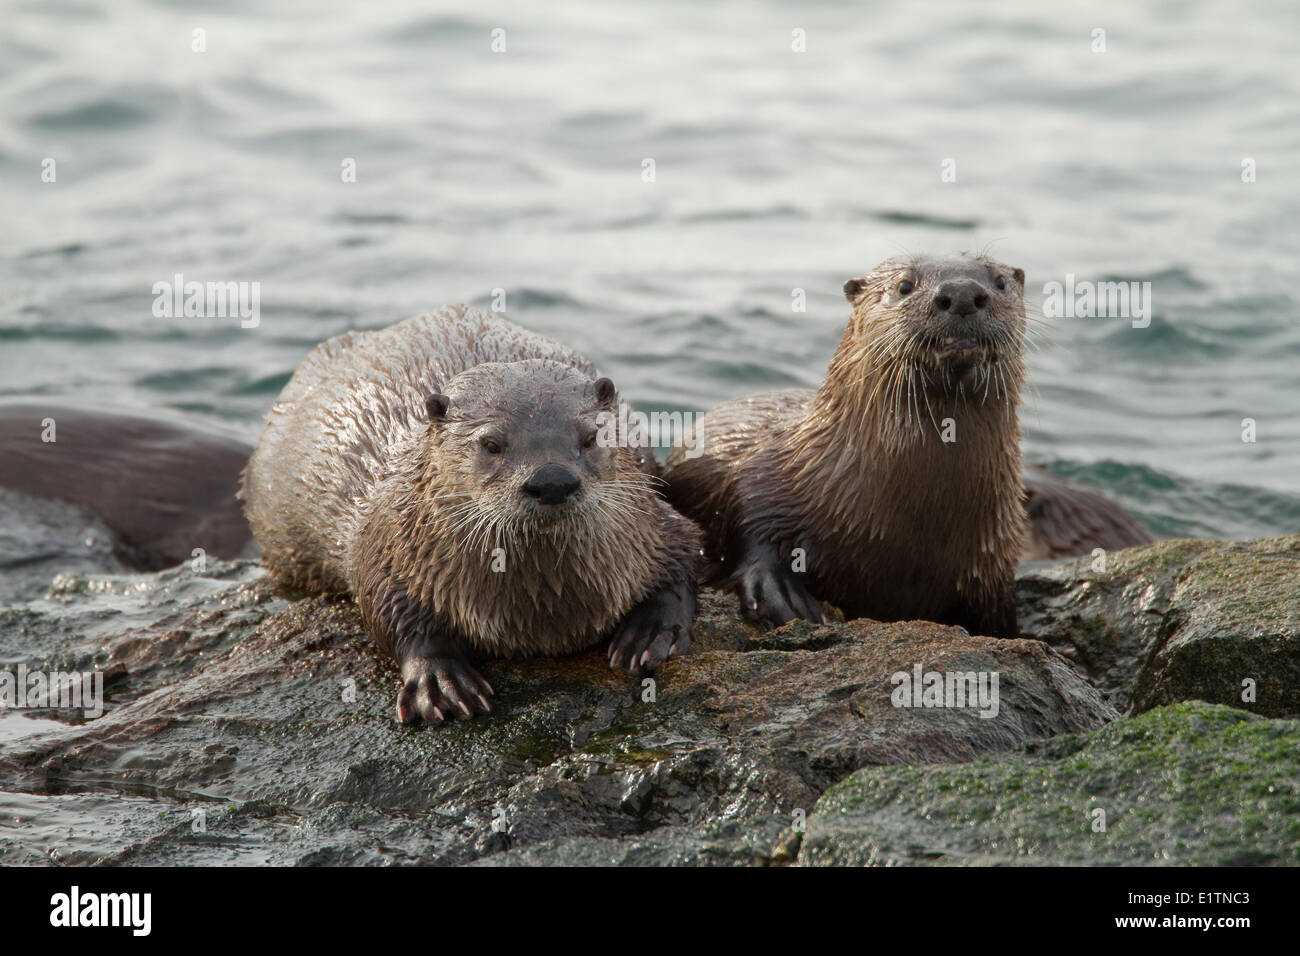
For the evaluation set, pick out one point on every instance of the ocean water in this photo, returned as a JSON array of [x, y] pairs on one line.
[[522, 169]]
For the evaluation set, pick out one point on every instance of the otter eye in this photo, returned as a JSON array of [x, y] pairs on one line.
[[1000, 282], [490, 445], [589, 441], [906, 286]]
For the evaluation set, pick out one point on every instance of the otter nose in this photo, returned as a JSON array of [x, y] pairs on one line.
[[960, 297], [551, 484]]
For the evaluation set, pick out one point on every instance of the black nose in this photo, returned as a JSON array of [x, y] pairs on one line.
[[960, 297], [551, 484]]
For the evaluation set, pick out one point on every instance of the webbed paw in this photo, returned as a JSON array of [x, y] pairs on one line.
[[435, 689], [771, 596], [656, 629]]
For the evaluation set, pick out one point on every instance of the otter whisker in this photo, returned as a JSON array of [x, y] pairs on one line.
[[925, 390]]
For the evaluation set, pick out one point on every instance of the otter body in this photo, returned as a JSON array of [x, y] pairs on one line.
[[165, 486], [850, 493], [1066, 521], [878, 538], [896, 489], [446, 471]]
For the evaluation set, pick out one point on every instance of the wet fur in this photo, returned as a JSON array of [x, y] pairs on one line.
[[353, 488], [895, 523]]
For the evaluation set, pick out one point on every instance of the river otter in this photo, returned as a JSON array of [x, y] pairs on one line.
[[1066, 521], [164, 485], [894, 490], [446, 471]]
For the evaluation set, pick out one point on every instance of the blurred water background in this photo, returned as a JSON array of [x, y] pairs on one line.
[[775, 170]]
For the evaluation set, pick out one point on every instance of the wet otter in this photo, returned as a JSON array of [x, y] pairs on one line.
[[162, 484], [482, 515], [1066, 521], [894, 490]]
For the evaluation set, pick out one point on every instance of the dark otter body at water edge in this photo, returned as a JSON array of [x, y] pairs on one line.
[[446, 471], [1066, 521], [163, 487], [894, 491]]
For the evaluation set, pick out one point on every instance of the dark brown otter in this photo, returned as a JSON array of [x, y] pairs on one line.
[[894, 491], [164, 485], [495, 516], [1066, 521]]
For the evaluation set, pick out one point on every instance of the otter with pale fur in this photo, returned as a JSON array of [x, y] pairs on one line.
[[446, 471]]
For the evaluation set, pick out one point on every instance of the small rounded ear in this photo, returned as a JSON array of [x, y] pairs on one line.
[[436, 405], [1020, 276], [605, 391], [853, 288]]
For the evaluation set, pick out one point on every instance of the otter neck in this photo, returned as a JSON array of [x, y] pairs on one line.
[[898, 406]]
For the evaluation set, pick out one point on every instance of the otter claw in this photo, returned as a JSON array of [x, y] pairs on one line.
[[656, 629], [771, 599], [437, 688]]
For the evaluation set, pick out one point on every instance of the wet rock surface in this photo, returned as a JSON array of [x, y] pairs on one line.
[[1178, 620], [248, 725]]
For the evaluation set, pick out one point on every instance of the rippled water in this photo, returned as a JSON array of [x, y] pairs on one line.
[[776, 170]]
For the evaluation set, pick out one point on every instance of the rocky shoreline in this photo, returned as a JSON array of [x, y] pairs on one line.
[[248, 725]]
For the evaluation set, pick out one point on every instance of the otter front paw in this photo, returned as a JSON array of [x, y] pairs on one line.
[[656, 629], [769, 596], [435, 689]]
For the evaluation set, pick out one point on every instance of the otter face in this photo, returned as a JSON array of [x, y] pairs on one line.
[[953, 317], [520, 439]]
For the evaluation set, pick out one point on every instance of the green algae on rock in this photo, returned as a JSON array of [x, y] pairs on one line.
[[1189, 783]]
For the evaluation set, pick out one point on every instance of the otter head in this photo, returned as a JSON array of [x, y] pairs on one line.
[[957, 319], [520, 439]]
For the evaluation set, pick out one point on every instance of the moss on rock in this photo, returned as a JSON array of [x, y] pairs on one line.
[[1190, 783]]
